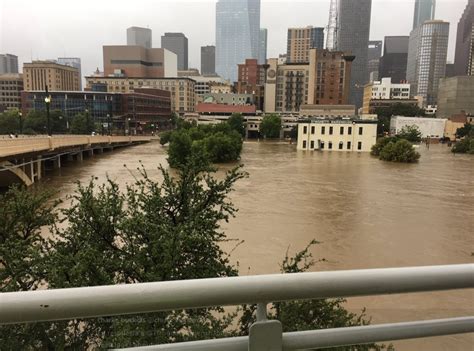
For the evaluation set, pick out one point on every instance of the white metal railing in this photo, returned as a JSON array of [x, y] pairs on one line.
[[88, 302]]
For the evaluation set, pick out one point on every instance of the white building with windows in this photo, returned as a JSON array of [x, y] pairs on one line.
[[345, 134], [385, 89], [429, 127]]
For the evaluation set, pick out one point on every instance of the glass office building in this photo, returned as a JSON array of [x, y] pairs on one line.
[[237, 35], [353, 36], [427, 54], [424, 11]]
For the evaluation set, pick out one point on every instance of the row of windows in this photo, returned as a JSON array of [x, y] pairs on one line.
[[340, 146], [331, 130]]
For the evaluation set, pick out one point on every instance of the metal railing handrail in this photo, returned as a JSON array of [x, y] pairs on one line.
[[334, 337], [88, 302]]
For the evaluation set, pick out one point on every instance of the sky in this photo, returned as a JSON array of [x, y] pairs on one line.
[[48, 29]]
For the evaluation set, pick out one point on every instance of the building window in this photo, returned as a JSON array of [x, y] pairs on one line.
[[348, 145], [341, 145], [304, 144], [359, 145], [360, 130], [321, 145], [323, 130], [349, 130], [330, 145], [341, 130], [312, 129], [330, 130], [312, 144], [305, 130]]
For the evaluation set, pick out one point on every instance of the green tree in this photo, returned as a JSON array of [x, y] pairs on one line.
[[82, 123], [151, 232], [466, 130], [165, 137], [399, 151], [237, 123], [410, 133], [381, 143], [9, 122], [464, 146], [37, 122], [271, 126]]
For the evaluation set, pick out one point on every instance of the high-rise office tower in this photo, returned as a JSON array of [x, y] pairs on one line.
[[262, 50], [393, 63], [301, 40], [353, 36], [8, 64], [424, 11], [427, 53], [374, 54], [177, 43], [139, 36], [465, 42], [72, 62], [208, 60], [237, 35]]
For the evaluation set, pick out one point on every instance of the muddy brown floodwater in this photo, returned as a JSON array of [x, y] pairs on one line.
[[366, 213]]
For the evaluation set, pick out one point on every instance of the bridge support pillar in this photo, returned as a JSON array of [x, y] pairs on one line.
[[57, 162], [39, 168], [90, 152], [79, 156]]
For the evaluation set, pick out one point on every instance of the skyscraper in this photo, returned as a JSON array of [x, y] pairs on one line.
[[393, 63], [465, 41], [177, 43], [262, 50], [353, 36], [301, 40], [8, 64], [375, 51], [208, 60], [139, 36], [237, 34], [427, 53], [72, 62], [424, 11]]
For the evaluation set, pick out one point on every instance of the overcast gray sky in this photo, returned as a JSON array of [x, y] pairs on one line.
[[56, 28]]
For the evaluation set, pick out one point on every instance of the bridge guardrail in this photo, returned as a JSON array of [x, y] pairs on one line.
[[88, 302]]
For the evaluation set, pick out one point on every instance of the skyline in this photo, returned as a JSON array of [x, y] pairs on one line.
[[51, 35]]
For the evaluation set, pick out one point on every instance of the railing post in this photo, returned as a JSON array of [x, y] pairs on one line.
[[265, 335]]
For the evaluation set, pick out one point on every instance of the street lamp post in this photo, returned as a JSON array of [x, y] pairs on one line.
[[47, 100], [20, 116]]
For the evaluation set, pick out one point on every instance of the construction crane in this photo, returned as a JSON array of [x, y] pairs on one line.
[[332, 28]]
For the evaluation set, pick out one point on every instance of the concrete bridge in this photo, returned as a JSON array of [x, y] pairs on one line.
[[24, 160]]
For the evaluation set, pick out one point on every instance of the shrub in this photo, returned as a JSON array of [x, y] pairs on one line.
[[399, 151]]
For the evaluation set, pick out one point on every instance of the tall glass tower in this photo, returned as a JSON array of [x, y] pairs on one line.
[[427, 53], [424, 11], [353, 29], [237, 35]]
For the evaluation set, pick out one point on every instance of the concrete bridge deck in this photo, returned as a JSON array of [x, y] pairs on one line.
[[26, 159], [28, 145]]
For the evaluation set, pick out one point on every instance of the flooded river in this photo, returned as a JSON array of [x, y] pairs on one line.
[[366, 213]]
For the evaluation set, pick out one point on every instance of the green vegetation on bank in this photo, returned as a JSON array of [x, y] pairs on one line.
[[215, 143], [151, 231], [466, 144]]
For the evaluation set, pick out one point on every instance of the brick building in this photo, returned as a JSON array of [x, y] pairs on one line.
[[251, 80]]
